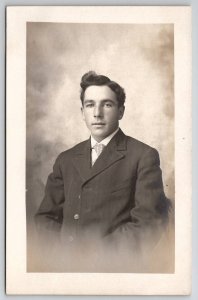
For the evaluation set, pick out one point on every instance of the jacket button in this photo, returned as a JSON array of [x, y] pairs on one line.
[[76, 217]]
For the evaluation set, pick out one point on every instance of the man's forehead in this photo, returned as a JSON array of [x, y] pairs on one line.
[[95, 92]]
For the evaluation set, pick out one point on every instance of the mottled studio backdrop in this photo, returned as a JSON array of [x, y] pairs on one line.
[[138, 57]]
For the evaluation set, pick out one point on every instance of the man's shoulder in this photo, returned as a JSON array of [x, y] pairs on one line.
[[69, 153], [133, 143], [139, 149]]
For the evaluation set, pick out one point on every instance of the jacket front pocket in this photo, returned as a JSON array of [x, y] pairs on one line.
[[126, 184]]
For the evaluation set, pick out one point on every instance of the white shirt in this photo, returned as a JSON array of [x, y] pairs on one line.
[[105, 142]]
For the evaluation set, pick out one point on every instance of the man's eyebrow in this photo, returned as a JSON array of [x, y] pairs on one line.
[[108, 100], [88, 100], [103, 100]]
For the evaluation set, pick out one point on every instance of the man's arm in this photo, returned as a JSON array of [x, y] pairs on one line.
[[50, 213], [150, 214]]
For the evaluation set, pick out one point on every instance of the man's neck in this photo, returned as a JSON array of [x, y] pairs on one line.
[[106, 140]]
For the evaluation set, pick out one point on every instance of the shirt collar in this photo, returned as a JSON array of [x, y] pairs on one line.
[[105, 141]]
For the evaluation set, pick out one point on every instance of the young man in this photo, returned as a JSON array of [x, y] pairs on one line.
[[105, 197]]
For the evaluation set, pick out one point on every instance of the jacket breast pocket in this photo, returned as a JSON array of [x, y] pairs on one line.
[[123, 185]]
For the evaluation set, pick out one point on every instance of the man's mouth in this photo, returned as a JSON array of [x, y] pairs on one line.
[[98, 124]]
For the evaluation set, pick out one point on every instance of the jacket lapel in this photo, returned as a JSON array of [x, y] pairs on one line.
[[113, 152], [82, 159]]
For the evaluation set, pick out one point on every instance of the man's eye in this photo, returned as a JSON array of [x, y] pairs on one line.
[[89, 105], [108, 104]]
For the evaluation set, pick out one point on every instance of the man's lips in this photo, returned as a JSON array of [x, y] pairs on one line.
[[98, 124]]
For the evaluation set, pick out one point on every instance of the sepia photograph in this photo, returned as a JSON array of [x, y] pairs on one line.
[[99, 134], [102, 210]]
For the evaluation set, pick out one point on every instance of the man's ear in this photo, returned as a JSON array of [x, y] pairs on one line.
[[82, 112], [121, 111]]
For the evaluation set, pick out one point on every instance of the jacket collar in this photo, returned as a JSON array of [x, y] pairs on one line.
[[113, 152]]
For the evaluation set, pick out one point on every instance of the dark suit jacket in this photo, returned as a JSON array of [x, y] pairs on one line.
[[119, 200]]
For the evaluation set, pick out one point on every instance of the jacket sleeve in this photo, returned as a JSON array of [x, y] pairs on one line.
[[50, 213], [149, 216]]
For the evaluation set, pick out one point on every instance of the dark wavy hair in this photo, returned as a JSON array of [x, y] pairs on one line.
[[91, 78]]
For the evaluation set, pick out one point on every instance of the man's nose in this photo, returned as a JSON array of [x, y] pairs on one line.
[[98, 111]]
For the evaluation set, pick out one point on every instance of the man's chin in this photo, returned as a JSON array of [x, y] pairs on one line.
[[99, 136]]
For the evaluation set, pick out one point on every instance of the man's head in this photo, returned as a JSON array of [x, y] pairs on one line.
[[91, 78], [102, 104]]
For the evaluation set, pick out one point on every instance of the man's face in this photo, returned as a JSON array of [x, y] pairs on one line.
[[100, 111]]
